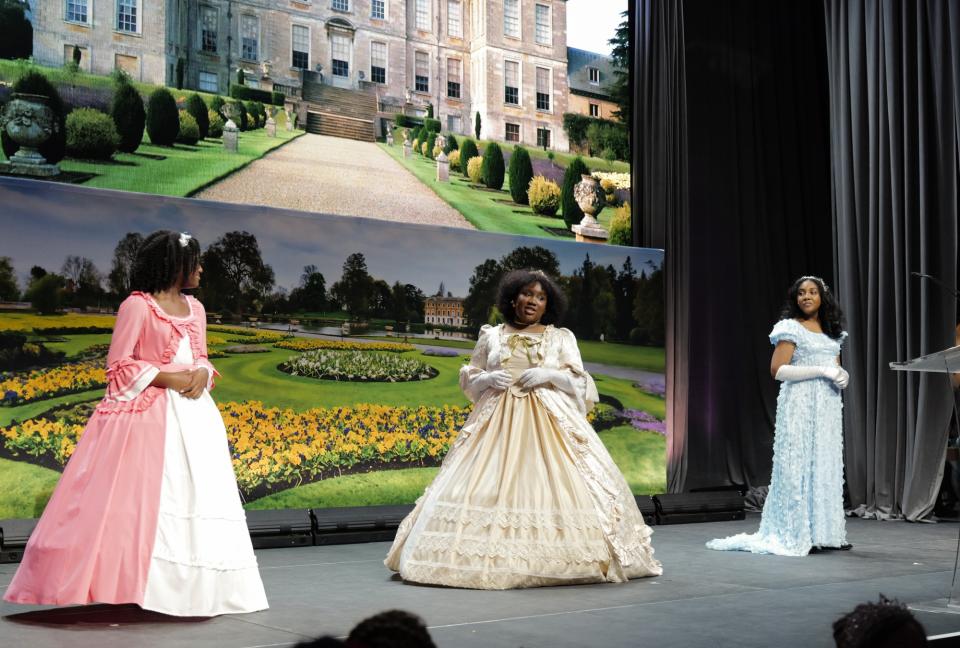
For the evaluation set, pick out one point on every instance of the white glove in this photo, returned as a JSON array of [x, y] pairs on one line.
[[497, 380], [795, 373], [537, 376]]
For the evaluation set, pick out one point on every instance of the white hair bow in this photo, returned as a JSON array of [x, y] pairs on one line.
[[184, 239]]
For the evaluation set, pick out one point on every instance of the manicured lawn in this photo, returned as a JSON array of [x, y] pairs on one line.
[[24, 412], [631, 397], [26, 488], [640, 455], [185, 169], [479, 206], [77, 343], [379, 488]]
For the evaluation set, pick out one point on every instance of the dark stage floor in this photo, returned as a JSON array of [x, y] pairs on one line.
[[705, 598]]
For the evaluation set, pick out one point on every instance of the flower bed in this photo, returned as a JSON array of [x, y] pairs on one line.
[[245, 348], [25, 387], [310, 344], [57, 324], [619, 180], [442, 353], [213, 340], [358, 366], [260, 337]]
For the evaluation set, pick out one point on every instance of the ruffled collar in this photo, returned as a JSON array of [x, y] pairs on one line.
[[164, 315]]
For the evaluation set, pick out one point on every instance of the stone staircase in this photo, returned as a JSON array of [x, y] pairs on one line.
[[339, 112]]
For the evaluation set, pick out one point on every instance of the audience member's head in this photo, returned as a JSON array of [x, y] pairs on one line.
[[321, 642], [391, 629], [878, 625]]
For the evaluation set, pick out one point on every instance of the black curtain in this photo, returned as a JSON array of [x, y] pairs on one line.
[[895, 121], [759, 216], [659, 180]]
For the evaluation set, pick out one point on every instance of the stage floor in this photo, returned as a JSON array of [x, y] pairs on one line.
[[704, 598]]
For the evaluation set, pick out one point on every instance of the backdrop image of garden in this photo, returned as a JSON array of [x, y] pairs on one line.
[[339, 339]]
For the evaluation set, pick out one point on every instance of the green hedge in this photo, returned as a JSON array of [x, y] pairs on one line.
[[246, 93], [406, 121], [575, 125], [432, 125]]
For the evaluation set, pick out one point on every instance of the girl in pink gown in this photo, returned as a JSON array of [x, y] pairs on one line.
[[147, 510]]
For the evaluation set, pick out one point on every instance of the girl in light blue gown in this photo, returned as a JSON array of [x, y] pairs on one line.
[[804, 506]]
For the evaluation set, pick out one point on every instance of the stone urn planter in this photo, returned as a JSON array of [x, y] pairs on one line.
[[590, 197], [29, 121]]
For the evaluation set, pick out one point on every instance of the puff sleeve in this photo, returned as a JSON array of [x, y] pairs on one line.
[[584, 389], [786, 330], [470, 373], [127, 375]]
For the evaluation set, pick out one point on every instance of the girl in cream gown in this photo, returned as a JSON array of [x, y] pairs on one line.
[[528, 495]]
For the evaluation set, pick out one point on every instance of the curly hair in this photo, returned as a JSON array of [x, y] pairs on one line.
[[164, 258], [515, 281], [831, 315], [884, 623], [391, 629]]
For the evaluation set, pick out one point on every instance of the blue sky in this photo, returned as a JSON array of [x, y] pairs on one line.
[[44, 222]]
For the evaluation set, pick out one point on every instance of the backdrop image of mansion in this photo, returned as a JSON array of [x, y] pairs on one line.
[[344, 65]]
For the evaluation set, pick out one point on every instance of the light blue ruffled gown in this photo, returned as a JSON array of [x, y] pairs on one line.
[[804, 506]]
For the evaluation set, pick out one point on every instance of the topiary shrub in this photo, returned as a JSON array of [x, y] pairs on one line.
[[253, 115], [216, 124], [198, 110], [189, 132], [238, 113], [424, 149], [91, 134], [163, 118], [620, 233], [572, 214], [544, 196], [432, 125], [33, 82], [468, 150], [451, 144], [415, 145], [520, 174], [476, 125], [454, 158], [431, 145], [17, 42], [475, 169], [216, 105], [129, 116], [493, 166]]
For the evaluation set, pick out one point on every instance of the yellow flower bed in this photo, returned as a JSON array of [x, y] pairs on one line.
[[305, 344], [213, 340], [29, 322], [272, 445], [37, 437], [19, 388]]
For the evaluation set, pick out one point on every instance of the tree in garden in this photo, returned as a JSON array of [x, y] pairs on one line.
[[536, 257], [163, 118], [83, 279], [416, 302], [451, 144], [398, 302], [355, 286], [493, 166], [128, 115], [235, 275], [45, 294], [468, 151], [121, 270], [476, 125], [17, 41], [620, 57], [9, 291], [198, 110], [572, 214], [520, 173], [34, 82], [649, 310], [311, 294]]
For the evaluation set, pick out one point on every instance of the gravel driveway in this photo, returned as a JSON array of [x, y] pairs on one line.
[[335, 176]]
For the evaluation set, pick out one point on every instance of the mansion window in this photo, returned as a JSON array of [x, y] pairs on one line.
[[454, 18], [341, 5], [301, 47], [378, 9], [249, 37], [594, 75], [340, 47], [543, 137], [513, 132], [543, 89], [378, 62], [594, 110], [511, 83], [422, 72], [543, 30], [511, 18], [128, 16], [453, 78], [453, 123], [208, 29], [422, 15], [208, 82], [78, 11]]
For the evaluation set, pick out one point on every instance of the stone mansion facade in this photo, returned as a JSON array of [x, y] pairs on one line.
[[506, 59]]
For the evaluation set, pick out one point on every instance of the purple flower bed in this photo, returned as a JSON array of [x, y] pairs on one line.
[[442, 353], [657, 387], [641, 420]]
